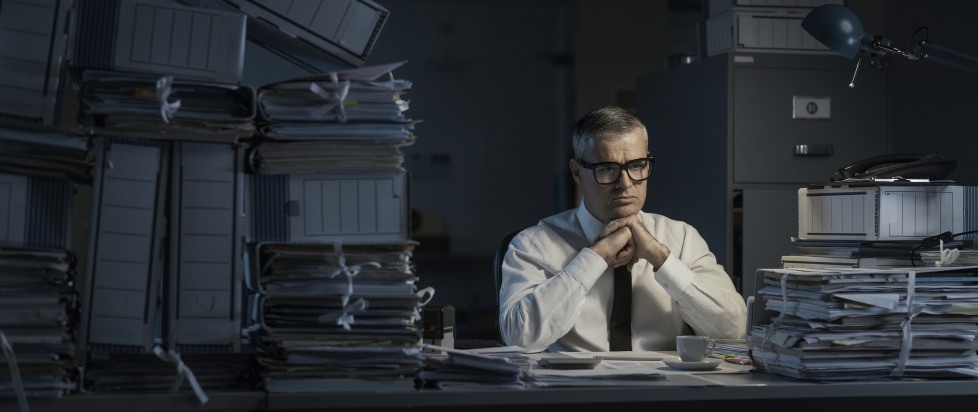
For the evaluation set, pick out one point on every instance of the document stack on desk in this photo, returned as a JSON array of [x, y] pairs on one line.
[[545, 378], [38, 311], [962, 257], [489, 368], [823, 254], [858, 324], [345, 120], [164, 107], [337, 317], [126, 372]]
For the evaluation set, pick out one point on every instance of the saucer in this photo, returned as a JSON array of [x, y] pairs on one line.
[[705, 365]]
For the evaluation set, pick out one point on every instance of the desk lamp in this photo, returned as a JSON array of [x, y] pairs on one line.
[[839, 29]]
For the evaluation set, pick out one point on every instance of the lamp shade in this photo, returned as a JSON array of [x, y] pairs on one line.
[[836, 27]]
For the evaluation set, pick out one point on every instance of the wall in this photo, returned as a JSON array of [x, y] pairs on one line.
[[490, 85], [933, 106], [617, 42]]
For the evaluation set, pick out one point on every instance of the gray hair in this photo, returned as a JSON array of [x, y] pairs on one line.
[[605, 121]]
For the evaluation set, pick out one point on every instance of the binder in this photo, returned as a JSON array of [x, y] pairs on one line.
[[156, 37], [345, 29], [124, 265], [327, 207], [32, 60], [881, 212], [206, 236]]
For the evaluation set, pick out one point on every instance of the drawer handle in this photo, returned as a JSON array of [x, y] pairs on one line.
[[813, 150]]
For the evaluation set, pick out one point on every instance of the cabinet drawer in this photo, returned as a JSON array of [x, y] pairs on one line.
[[849, 122]]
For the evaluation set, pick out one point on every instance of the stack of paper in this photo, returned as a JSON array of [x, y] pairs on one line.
[[337, 317], [155, 107], [299, 157], [639, 376], [122, 372], [868, 324], [38, 311], [45, 153], [343, 120], [829, 254], [350, 96], [962, 257], [486, 368]]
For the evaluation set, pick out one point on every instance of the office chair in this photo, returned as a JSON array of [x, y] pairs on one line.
[[497, 275]]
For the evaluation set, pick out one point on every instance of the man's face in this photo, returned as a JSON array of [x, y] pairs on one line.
[[624, 197]]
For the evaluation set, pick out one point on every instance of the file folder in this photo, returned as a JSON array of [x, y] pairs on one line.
[[327, 207], [124, 265], [206, 228], [158, 37], [32, 60], [345, 29]]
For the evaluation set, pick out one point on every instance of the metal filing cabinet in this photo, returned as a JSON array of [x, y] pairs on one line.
[[735, 135]]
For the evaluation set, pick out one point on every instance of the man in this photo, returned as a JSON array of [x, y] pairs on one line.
[[559, 277]]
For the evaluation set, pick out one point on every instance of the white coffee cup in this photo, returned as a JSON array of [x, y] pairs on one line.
[[694, 348]]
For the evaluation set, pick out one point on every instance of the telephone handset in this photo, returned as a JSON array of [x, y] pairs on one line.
[[908, 166]]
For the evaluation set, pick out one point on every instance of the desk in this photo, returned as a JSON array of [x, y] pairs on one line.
[[747, 390]]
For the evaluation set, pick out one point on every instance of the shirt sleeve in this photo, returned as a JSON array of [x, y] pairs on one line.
[[538, 306], [706, 296]]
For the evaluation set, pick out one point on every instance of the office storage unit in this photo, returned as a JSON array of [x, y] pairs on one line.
[[345, 29], [161, 38], [326, 207], [206, 236], [32, 46], [881, 212], [735, 135], [761, 30], [717, 7], [125, 264]]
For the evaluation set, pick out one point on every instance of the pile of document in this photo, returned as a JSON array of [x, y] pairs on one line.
[[828, 254], [38, 313], [345, 120], [45, 153], [163, 107], [126, 372], [337, 317], [960, 257], [857, 324], [485, 368]]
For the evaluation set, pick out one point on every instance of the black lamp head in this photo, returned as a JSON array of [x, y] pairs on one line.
[[836, 27]]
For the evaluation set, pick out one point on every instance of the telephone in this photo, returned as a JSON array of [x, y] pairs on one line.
[[908, 166]]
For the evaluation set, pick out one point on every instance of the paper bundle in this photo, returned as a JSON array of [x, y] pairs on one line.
[[868, 324]]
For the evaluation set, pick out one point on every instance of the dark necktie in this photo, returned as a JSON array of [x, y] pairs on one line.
[[620, 327]]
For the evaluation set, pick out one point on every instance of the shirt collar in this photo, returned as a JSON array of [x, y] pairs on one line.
[[591, 225]]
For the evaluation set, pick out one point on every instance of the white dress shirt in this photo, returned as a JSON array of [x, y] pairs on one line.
[[556, 293]]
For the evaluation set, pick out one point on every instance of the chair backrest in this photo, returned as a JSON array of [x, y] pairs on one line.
[[497, 273]]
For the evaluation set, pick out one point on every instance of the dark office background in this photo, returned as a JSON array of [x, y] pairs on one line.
[[498, 84]]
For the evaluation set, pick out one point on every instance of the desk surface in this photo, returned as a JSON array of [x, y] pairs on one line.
[[733, 390]]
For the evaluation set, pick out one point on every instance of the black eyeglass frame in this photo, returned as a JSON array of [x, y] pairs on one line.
[[621, 166]]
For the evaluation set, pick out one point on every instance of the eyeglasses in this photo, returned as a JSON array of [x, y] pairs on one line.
[[607, 173]]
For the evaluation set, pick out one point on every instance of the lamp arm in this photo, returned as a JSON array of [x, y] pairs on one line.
[[882, 46], [931, 46]]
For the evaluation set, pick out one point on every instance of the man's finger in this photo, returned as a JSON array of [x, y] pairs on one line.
[[614, 226]]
